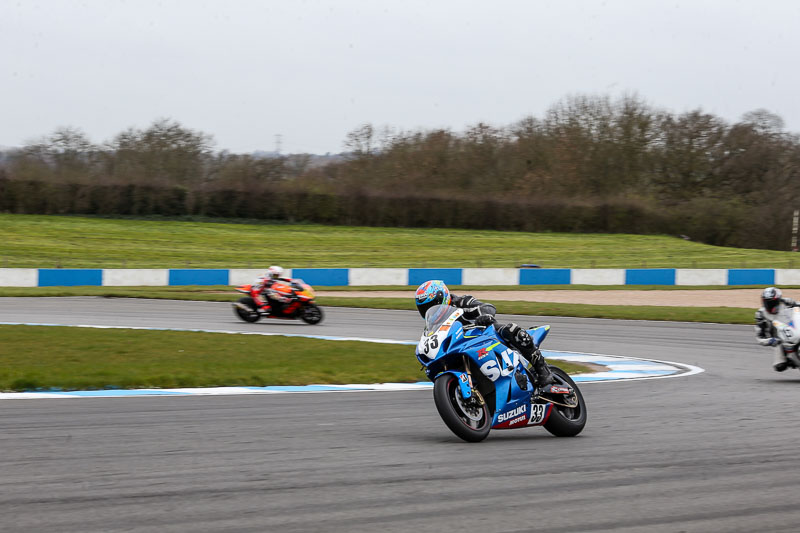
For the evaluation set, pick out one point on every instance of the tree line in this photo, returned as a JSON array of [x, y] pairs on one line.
[[589, 164]]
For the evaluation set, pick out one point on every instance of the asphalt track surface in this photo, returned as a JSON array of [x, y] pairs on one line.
[[708, 452]]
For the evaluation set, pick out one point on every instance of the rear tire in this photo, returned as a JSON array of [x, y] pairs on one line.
[[446, 396], [311, 314], [566, 421], [247, 316]]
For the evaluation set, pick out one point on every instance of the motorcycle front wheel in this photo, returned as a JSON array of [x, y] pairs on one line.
[[468, 420], [249, 314], [311, 314], [566, 421]]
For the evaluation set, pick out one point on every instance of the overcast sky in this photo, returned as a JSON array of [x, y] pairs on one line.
[[246, 71]]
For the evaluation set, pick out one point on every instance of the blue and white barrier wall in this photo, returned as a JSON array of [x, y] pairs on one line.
[[65, 277]]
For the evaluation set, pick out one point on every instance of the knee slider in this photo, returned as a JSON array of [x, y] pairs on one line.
[[513, 333], [523, 338]]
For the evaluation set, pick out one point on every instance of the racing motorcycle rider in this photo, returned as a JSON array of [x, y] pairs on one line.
[[773, 303], [262, 286], [435, 292]]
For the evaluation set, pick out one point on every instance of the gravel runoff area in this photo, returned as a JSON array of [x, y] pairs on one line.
[[747, 298]]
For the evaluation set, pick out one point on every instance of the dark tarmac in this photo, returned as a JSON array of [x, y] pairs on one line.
[[707, 452]]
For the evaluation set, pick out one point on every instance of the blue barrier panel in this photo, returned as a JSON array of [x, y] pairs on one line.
[[323, 276], [751, 276], [650, 276], [418, 276], [68, 277], [198, 276], [545, 276]]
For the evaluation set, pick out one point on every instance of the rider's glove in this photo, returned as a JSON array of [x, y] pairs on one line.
[[772, 341], [484, 320]]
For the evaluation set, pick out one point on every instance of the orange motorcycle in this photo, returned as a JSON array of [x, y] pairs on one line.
[[293, 298]]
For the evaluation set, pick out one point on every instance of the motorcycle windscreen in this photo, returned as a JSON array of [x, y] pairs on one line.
[[436, 316]]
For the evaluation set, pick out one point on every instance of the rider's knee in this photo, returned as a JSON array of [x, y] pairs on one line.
[[514, 334]]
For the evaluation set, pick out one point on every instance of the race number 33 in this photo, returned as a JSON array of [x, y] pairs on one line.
[[538, 411], [431, 343]]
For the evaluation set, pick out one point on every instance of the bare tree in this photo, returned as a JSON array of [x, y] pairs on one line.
[[165, 152]]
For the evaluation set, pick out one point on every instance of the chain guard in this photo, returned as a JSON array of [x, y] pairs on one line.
[[571, 401]]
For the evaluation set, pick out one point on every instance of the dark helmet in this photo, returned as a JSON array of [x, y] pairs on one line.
[[430, 293], [771, 298]]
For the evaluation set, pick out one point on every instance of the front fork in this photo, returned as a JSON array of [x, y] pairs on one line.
[[466, 384]]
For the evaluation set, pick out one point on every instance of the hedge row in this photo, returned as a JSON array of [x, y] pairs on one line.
[[714, 222]]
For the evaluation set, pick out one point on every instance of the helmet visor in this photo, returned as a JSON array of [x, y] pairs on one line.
[[771, 304]]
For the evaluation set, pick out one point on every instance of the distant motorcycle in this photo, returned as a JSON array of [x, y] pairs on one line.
[[300, 303], [479, 384], [787, 330]]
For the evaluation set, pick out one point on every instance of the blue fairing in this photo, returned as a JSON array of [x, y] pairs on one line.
[[539, 333], [445, 346]]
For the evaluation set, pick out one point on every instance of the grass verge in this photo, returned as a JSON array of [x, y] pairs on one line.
[[224, 293], [38, 241], [722, 315], [83, 359]]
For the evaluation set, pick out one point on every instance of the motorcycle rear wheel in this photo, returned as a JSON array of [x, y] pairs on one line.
[[566, 421], [311, 314], [251, 316], [447, 397]]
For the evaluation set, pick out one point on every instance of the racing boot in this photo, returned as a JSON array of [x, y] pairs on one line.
[[521, 340], [780, 363], [543, 374], [263, 306]]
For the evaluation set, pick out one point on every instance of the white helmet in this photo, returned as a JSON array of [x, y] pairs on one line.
[[771, 298], [275, 272]]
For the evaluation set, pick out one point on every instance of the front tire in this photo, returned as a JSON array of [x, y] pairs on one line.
[[248, 315], [311, 314], [471, 424], [566, 421]]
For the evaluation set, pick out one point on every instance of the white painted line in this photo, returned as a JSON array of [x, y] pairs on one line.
[[227, 332]]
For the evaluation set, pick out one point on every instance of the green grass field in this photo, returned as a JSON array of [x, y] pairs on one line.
[[79, 359], [71, 358], [32, 241]]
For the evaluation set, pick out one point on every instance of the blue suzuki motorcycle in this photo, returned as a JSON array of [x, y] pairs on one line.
[[479, 384]]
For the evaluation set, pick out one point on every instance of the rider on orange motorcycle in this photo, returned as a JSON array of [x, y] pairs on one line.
[[262, 286]]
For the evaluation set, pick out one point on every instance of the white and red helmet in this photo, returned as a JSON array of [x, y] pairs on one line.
[[274, 272]]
